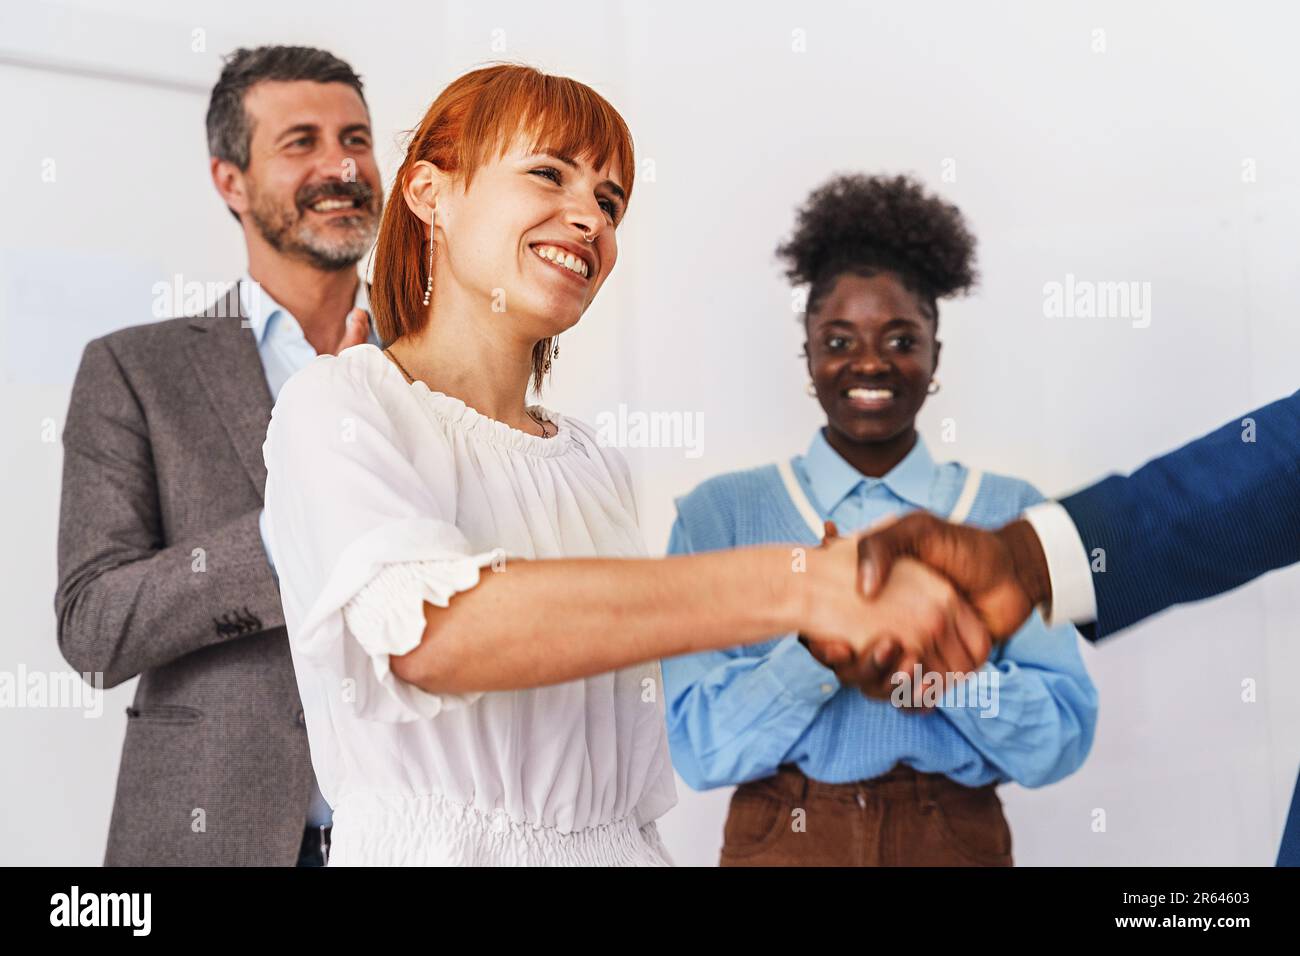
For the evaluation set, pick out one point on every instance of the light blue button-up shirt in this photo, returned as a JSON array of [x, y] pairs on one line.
[[282, 346], [737, 714], [284, 349]]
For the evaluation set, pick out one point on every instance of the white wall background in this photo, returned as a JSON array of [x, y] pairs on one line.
[[1114, 165]]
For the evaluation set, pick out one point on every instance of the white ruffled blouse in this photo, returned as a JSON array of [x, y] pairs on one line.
[[381, 495]]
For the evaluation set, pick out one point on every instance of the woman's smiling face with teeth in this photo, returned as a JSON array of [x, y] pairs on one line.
[[518, 204], [871, 353]]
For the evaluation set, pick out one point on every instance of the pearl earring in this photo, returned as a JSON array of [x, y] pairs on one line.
[[933, 387], [428, 286]]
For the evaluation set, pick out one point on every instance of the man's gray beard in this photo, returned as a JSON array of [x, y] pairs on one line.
[[292, 236]]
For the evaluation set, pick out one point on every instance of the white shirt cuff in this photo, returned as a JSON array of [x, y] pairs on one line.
[[1073, 598]]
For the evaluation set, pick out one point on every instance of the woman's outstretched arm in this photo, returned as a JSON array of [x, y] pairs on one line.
[[544, 622]]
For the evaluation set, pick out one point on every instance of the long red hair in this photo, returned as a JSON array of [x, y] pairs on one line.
[[480, 112]]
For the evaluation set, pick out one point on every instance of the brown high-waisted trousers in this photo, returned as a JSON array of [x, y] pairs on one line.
[[902, 818]]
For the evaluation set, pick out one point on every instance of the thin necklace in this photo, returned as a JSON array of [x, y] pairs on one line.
[[528, 411]]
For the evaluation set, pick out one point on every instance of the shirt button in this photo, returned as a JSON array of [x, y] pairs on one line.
[[827, 688]]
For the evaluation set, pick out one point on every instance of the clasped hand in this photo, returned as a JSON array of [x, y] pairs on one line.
[[883, 612]]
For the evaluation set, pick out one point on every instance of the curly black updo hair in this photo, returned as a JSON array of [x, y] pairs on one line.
[[864, 225]]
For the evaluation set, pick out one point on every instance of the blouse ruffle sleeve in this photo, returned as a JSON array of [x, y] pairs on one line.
[[386, 617], [360, 540]]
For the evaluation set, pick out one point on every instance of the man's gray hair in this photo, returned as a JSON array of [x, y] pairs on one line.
[[229, 130]]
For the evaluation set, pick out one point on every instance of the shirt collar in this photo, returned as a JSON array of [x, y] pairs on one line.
[[260, 309], [832, 479]]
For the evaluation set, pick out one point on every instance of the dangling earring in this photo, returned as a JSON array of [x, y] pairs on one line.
[[428, 286], [555, 353], [933, 387]]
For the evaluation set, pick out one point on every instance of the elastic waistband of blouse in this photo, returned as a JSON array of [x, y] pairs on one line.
[[432, 828]]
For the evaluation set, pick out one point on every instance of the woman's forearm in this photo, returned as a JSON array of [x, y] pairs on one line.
[[549, 621]]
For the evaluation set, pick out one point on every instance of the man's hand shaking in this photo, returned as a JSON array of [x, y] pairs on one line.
[[986, 586]]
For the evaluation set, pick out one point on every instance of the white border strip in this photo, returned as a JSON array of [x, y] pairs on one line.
[[800, 500], [961, 510]]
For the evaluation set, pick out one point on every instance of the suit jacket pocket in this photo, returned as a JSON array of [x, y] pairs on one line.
[[164, 714]]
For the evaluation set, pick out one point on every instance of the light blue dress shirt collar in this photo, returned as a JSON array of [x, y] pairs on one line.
[[264, 314], [832, 479]]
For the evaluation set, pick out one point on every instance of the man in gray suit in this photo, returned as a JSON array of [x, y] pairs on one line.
[[163, 567]]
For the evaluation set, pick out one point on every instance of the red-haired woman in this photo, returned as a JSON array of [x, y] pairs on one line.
[[515, 717]]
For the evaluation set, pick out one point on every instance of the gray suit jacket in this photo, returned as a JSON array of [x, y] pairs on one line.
[[162, 573]]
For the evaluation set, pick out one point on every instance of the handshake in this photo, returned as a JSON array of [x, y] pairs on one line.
[[925, 593]]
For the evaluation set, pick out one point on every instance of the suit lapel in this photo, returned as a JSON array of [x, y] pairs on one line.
[[224, 357]]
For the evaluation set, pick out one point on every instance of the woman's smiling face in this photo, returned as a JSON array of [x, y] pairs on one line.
[[535, 232], [871, 353]]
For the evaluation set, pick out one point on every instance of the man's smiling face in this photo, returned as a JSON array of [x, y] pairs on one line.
[[311, 188]]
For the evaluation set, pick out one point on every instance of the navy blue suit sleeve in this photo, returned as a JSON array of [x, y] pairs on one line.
[[1204, 519]]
